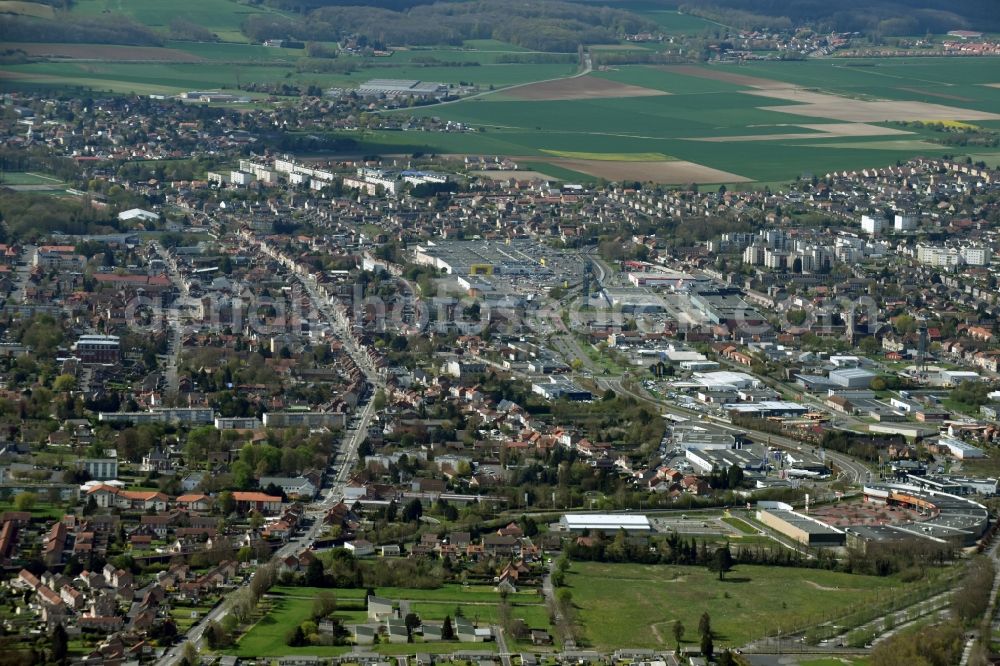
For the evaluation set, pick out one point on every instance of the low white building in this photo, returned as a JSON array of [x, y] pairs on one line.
[[138, 214], [959, 449], [609, 523]]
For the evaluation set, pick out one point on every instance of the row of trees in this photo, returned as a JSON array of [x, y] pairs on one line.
[[107, 29], [543, 25], [339, 568], [936, 645], [878, 560], [242, 604]]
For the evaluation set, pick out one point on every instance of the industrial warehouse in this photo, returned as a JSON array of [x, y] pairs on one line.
[[941, 518], [807, 531], [608, 523]]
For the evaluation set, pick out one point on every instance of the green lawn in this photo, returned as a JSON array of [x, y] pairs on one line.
[[290, 606], [267, 636], [447, 593], [182, 615], [636, 605], [740, 524], [534, 615], [41, 509]]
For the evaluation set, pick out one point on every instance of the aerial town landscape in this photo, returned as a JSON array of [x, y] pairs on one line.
[[499, 333]]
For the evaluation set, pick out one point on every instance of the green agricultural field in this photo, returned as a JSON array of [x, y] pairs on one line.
[[717, 104], [991, 159], [494, 45], [636, 605], [238, 53], [673, 22], [658, 78], [252, 64], [223, 17], [144, 78], [497, 75], [554, 172], [839, 73], [611, 157], [26, 9], [483, 56], [772, 161]]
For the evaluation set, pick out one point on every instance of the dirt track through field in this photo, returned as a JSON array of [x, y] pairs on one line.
[[581, 87], [921, 91], [727, 77], [824, 105], [828, 130], [670, 172], [107, 52]]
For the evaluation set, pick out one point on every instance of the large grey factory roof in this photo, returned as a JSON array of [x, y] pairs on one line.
[[804, 523]]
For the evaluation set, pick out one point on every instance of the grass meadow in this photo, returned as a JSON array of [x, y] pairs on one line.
[[636, 605], [287, 607]]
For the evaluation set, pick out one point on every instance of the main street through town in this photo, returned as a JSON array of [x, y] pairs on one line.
[[343, 462]]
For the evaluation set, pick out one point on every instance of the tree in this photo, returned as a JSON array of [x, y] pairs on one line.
[[413, 511], [213, 636], [256, 520], [447, 631], [722, 561], [227, 504], [869, 345], [726, 659], [295, 637], [60, 645], [315, 574], [678, 633], [704, 624], [25, 501], [64, 383], [707, 646], [189, 654], [324, 604], [412, 621]]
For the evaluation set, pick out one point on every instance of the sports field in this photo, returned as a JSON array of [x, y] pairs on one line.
[[22, 181], [636, 605]]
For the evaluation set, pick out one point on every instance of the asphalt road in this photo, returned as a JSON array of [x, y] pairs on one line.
[[344, 458]]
